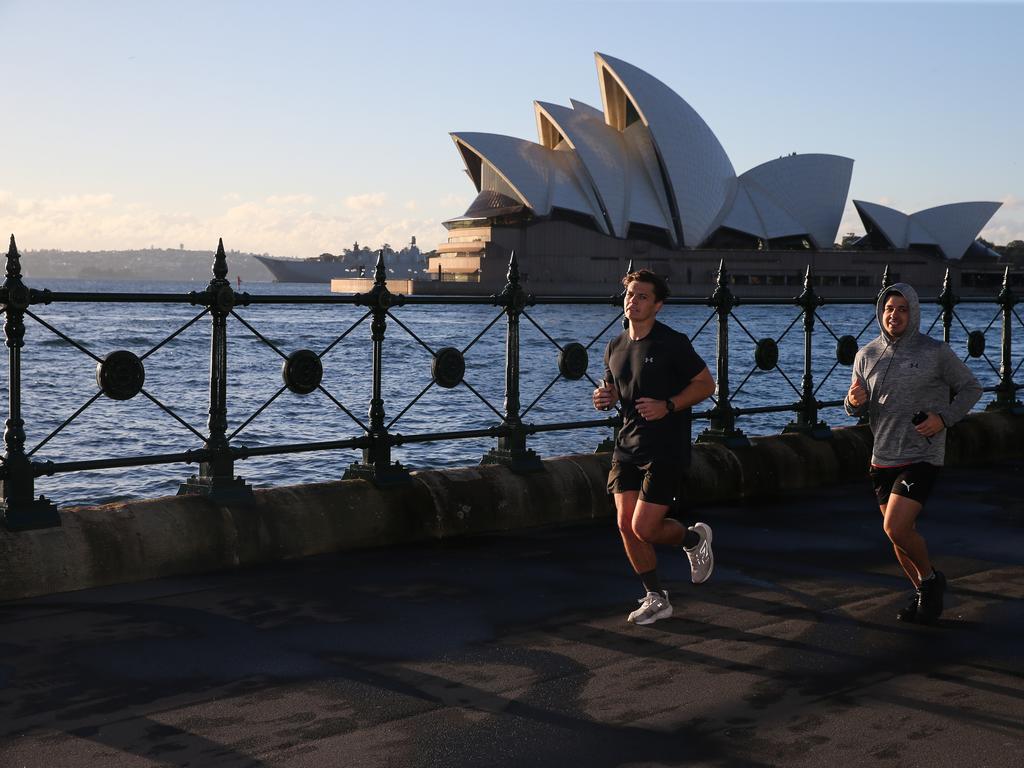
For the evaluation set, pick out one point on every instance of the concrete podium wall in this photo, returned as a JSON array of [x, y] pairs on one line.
[[176, 535]]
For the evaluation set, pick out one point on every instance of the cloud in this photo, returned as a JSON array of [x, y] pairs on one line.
[[1010, 203], [366, 202], [285, 225], [285, 201]]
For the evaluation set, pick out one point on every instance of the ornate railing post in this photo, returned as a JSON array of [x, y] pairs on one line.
[[886, 281], [376, 465], [19, 508], [722, 418], [216, 477], [512, 451], [948, 301], [807, 416], [1006, 390]]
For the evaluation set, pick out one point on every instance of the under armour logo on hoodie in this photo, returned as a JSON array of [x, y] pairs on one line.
[[648, 359]]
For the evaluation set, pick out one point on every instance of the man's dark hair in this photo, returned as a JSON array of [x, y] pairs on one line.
[[646, 276]]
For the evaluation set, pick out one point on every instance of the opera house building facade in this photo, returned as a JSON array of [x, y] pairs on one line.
[[645, 180]]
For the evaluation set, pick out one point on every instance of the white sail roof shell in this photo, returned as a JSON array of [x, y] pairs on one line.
[[956, 225], [810, 188], [603, 157], [952, 228], [541, 178], [700, 176], [612, 162]]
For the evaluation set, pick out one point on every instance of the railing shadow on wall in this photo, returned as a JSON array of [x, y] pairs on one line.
[[120, 376]]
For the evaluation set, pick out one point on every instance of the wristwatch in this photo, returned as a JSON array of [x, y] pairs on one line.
[[670, 405]]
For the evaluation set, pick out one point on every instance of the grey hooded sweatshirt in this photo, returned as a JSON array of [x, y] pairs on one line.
[[912, 372]]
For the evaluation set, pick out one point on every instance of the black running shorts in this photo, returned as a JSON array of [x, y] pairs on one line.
[[657, 481], [914, 481]]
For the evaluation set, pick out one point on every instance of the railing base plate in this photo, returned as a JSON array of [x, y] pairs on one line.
[[520, 462], [394, 476], [734, 439], [217, 488], [28, 515], [819, 431]]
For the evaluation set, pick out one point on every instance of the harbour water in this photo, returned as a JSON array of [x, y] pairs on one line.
[[58, 379]]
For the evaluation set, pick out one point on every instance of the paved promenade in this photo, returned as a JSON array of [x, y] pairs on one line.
[[514, 651]]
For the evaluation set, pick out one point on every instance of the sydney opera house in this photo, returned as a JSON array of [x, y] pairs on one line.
[[644, 179]]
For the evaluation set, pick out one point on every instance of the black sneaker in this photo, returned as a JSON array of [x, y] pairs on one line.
[[929, 604], [909, 611]]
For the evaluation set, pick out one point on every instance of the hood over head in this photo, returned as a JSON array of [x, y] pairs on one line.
[[913, 304]]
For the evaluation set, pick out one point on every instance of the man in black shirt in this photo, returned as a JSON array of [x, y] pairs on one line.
[[658, 376]]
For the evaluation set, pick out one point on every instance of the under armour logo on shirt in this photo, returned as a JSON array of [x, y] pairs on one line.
[[904, 482], [648, 359]]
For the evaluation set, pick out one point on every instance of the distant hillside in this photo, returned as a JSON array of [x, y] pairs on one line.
[[146, 264]]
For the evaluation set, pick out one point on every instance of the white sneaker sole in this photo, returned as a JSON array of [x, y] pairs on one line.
[[662, 614]]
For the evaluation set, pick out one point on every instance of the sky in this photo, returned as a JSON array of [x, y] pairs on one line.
[[301, 126]]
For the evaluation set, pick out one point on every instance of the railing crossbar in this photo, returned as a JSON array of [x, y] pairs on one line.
[[256, 413], [67, 421], [338, 340], [175, 334], [481, 334], [790, 327], [546, 335], [64, 336], [258, 335], [345, 410], [175, 416], [408, 330], [543, 392], [826, 378], [483, 399], [411, 404], [703, 325], [741, 325], [602, 333]]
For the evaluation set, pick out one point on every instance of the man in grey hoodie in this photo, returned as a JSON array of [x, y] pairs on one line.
[[902, 380]]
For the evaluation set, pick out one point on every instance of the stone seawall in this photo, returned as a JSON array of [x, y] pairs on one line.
[[176, 535]]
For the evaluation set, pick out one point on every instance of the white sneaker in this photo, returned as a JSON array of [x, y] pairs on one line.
[[652, 607], [702, 559]]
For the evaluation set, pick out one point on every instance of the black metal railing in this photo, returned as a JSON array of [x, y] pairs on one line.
[[120, 376]]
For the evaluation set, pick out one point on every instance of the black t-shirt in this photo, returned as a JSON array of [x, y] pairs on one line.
[[659, 366]]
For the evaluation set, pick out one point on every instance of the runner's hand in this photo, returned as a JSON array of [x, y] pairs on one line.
[[605, 396], [931, 426], [651, 409], [858, 394]]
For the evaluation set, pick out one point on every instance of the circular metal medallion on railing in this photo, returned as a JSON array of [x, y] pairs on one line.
[[846, 349], [120, 375], [573, 361], [766, 355], [976, 343], [302, 371], [225, 299], [448, 367]]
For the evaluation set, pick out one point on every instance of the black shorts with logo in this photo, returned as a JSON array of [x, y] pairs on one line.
[[913, 481], [657, 480]]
